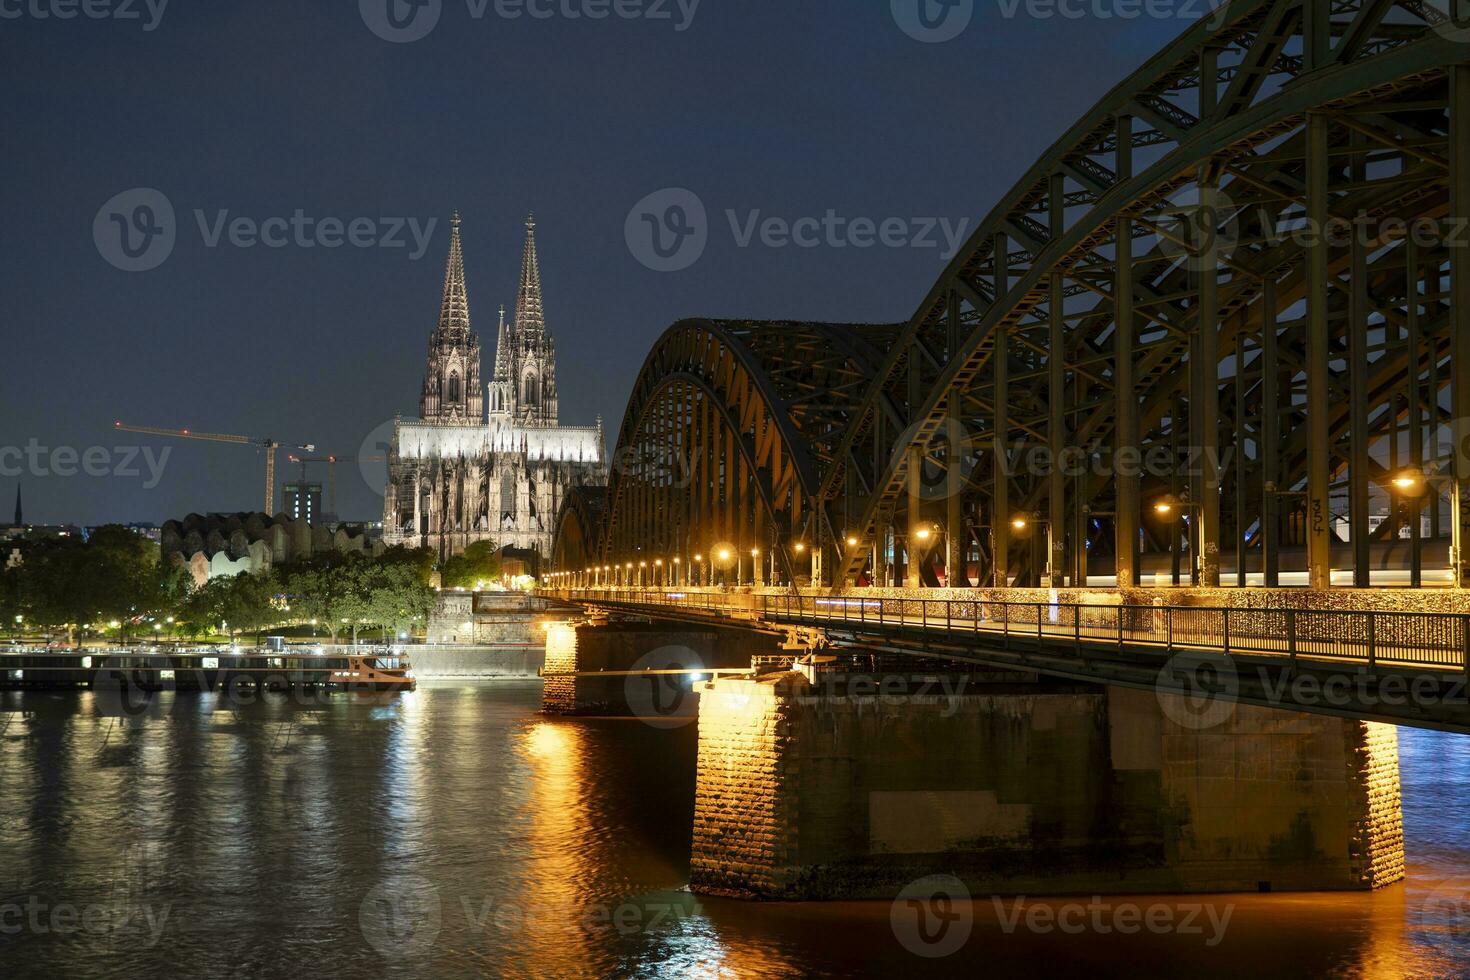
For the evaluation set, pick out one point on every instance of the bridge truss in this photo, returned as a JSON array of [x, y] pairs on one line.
[[1228, 313]]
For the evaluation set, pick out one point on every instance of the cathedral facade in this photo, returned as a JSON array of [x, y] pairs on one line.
[[487, 463]]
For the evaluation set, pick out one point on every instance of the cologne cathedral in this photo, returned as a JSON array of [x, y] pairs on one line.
[[488, 463]]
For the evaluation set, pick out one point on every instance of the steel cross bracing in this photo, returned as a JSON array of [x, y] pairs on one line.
[[1042, 280], [727, 430], [1283, 377]]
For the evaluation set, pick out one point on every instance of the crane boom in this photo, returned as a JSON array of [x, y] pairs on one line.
[[189, 434], [269, 445]]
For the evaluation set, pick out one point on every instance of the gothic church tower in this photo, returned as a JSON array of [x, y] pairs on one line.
[[452, 391], [532, 361]]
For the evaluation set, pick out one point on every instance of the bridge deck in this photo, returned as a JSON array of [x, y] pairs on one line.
[[1405, 667]]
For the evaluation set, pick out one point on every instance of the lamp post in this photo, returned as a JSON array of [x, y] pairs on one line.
[[1022, 524], [724, 555], [1172, 509], [694, 571], [658, 573], [920, 537], [1412, 483]]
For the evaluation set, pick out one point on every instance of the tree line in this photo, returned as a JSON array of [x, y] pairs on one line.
[[113, 585]]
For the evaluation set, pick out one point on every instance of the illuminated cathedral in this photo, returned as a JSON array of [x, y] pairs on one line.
[[492, 463]]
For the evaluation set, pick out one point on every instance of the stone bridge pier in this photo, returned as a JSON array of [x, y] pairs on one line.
[[669, 656], [821, 785]]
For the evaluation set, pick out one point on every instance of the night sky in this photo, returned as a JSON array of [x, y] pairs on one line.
[[261, 109]]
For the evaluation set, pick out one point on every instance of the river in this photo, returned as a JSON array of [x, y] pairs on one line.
[[456, 832]]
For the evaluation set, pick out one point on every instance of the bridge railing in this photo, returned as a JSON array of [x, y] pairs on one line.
[[1369, 638]]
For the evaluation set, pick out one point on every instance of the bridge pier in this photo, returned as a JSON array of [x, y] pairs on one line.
[[820, 788], [620, 648]]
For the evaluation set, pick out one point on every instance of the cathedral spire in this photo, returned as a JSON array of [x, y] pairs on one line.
[[452, 380], [530, 320], [454, 312]]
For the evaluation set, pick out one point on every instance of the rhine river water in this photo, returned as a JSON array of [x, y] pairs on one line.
[[456, 832]]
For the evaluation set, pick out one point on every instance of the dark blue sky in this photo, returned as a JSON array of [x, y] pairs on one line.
[[263, 108]]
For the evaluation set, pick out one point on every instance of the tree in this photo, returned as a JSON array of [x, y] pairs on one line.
[[253, 602], [10, 599], [245, 602], [397, 597], [477, 566]]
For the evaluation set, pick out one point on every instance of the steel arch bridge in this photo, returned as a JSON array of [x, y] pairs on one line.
[[1227, 314]]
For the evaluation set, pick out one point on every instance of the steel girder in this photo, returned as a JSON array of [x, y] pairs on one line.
[[579, 523], [726, 433], [1317, 111]]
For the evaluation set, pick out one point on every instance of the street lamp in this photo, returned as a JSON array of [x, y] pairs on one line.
[[677, 573], [1022, 525], [1173, 509], [658, 573], [1414, 483], [724, 555], [698, 559]]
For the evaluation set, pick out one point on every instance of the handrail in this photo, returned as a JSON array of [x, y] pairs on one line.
[[1371, 638]]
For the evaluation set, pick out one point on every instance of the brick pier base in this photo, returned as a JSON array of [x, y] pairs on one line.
[[806, 792]]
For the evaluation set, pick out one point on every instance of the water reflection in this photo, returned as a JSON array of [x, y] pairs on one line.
[[457, 832]]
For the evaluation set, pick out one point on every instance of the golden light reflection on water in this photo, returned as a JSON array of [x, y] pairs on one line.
[[268, 826]]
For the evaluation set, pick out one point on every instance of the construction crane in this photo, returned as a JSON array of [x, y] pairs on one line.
[[331, 462], [269, 445]]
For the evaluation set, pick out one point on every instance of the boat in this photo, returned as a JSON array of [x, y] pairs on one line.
[[375, 672]]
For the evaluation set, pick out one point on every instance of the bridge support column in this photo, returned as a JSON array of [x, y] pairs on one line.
[[1460, 318], [1319, 355], [663, 699], [842, 786]]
